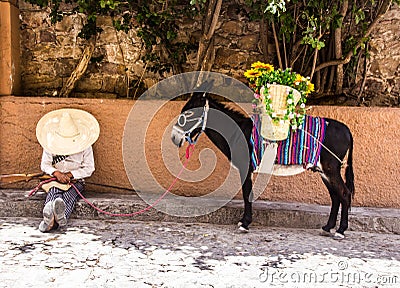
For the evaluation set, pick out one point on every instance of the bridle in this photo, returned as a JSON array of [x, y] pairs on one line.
[[200, 121], [186, 117]]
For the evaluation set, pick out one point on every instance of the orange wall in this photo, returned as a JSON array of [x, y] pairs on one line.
[[9, 48], [376, 150]]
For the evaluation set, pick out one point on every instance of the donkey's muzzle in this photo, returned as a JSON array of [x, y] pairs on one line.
[[177, 136]]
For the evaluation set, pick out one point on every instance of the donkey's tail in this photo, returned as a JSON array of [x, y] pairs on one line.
[[349, 169]]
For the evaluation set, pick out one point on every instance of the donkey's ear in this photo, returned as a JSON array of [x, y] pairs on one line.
[[204, 87]]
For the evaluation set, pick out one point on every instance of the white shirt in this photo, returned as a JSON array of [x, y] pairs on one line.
[[81, 164]]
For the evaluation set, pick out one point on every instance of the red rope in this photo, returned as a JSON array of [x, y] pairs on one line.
[[34, 190], [189, 152]]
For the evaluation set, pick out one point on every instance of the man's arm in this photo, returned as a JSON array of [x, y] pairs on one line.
[[46, 163], [87, 166]]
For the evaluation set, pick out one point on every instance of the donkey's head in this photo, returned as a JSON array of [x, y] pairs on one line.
[[193, 118]]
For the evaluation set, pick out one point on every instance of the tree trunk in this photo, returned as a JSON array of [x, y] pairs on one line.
[[314, 62], [264, 39], [325, 73], [80, 69], [278, 52], [364, 80], [204, 53], [338, 50]]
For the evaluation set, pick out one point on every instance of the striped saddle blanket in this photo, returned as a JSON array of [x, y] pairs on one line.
[[303, 146]]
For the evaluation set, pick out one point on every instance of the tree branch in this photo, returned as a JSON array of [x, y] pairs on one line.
[[80, 69], [385, 6]]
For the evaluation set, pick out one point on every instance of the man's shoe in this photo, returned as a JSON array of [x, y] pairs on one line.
[[59, 212], [48, 218]]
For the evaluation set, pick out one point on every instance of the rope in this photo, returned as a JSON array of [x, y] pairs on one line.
[[327, 149], [34, 190], [189, 153]]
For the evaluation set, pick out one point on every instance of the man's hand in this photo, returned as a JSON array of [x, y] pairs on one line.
[[63, 177]]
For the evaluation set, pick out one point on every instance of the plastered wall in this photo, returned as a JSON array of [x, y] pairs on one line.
[[10, 77], [376, 150]]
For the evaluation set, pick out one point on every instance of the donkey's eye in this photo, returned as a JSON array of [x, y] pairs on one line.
[[189, 114], [182, 120]]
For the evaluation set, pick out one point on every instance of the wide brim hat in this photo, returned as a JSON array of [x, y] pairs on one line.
[[67, 131]]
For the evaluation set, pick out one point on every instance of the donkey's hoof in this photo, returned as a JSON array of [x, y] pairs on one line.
[[239, 224], [325, 233], [243, 230], [338, 236]]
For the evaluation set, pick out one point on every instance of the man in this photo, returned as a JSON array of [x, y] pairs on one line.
[[67, 136]]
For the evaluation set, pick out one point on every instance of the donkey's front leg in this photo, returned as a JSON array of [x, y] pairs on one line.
[[247, 218]]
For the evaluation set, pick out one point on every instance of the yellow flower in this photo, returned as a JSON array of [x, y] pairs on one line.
[[310, 87], [252, 73], [260, 65], [299, 78]]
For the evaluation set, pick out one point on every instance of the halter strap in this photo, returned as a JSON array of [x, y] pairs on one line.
[[205, 113], [203, 127]]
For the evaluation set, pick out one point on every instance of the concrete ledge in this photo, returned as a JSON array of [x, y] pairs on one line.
[[14, 203]]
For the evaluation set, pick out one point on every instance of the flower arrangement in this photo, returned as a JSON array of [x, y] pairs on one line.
[[262, 76]]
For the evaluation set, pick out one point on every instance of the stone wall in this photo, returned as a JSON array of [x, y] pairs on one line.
[[376, 150], [50, 52], [383, 69]]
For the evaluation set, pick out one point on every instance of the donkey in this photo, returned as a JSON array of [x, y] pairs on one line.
[[337, 143]]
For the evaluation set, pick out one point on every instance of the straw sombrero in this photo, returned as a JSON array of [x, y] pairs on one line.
[[67, 131]]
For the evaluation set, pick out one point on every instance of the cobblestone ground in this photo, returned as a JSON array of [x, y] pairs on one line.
[[101, 253]]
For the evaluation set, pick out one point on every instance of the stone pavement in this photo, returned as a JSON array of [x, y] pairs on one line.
[[131, 253], [158, 250]]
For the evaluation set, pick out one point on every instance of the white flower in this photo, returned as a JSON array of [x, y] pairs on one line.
[[291, 116], [302, 105], [284, 112], [294, 127], [269, 96], [273, 115], [268, 85], [281, 122], [289, 101], [270, 105], [262, 90]]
